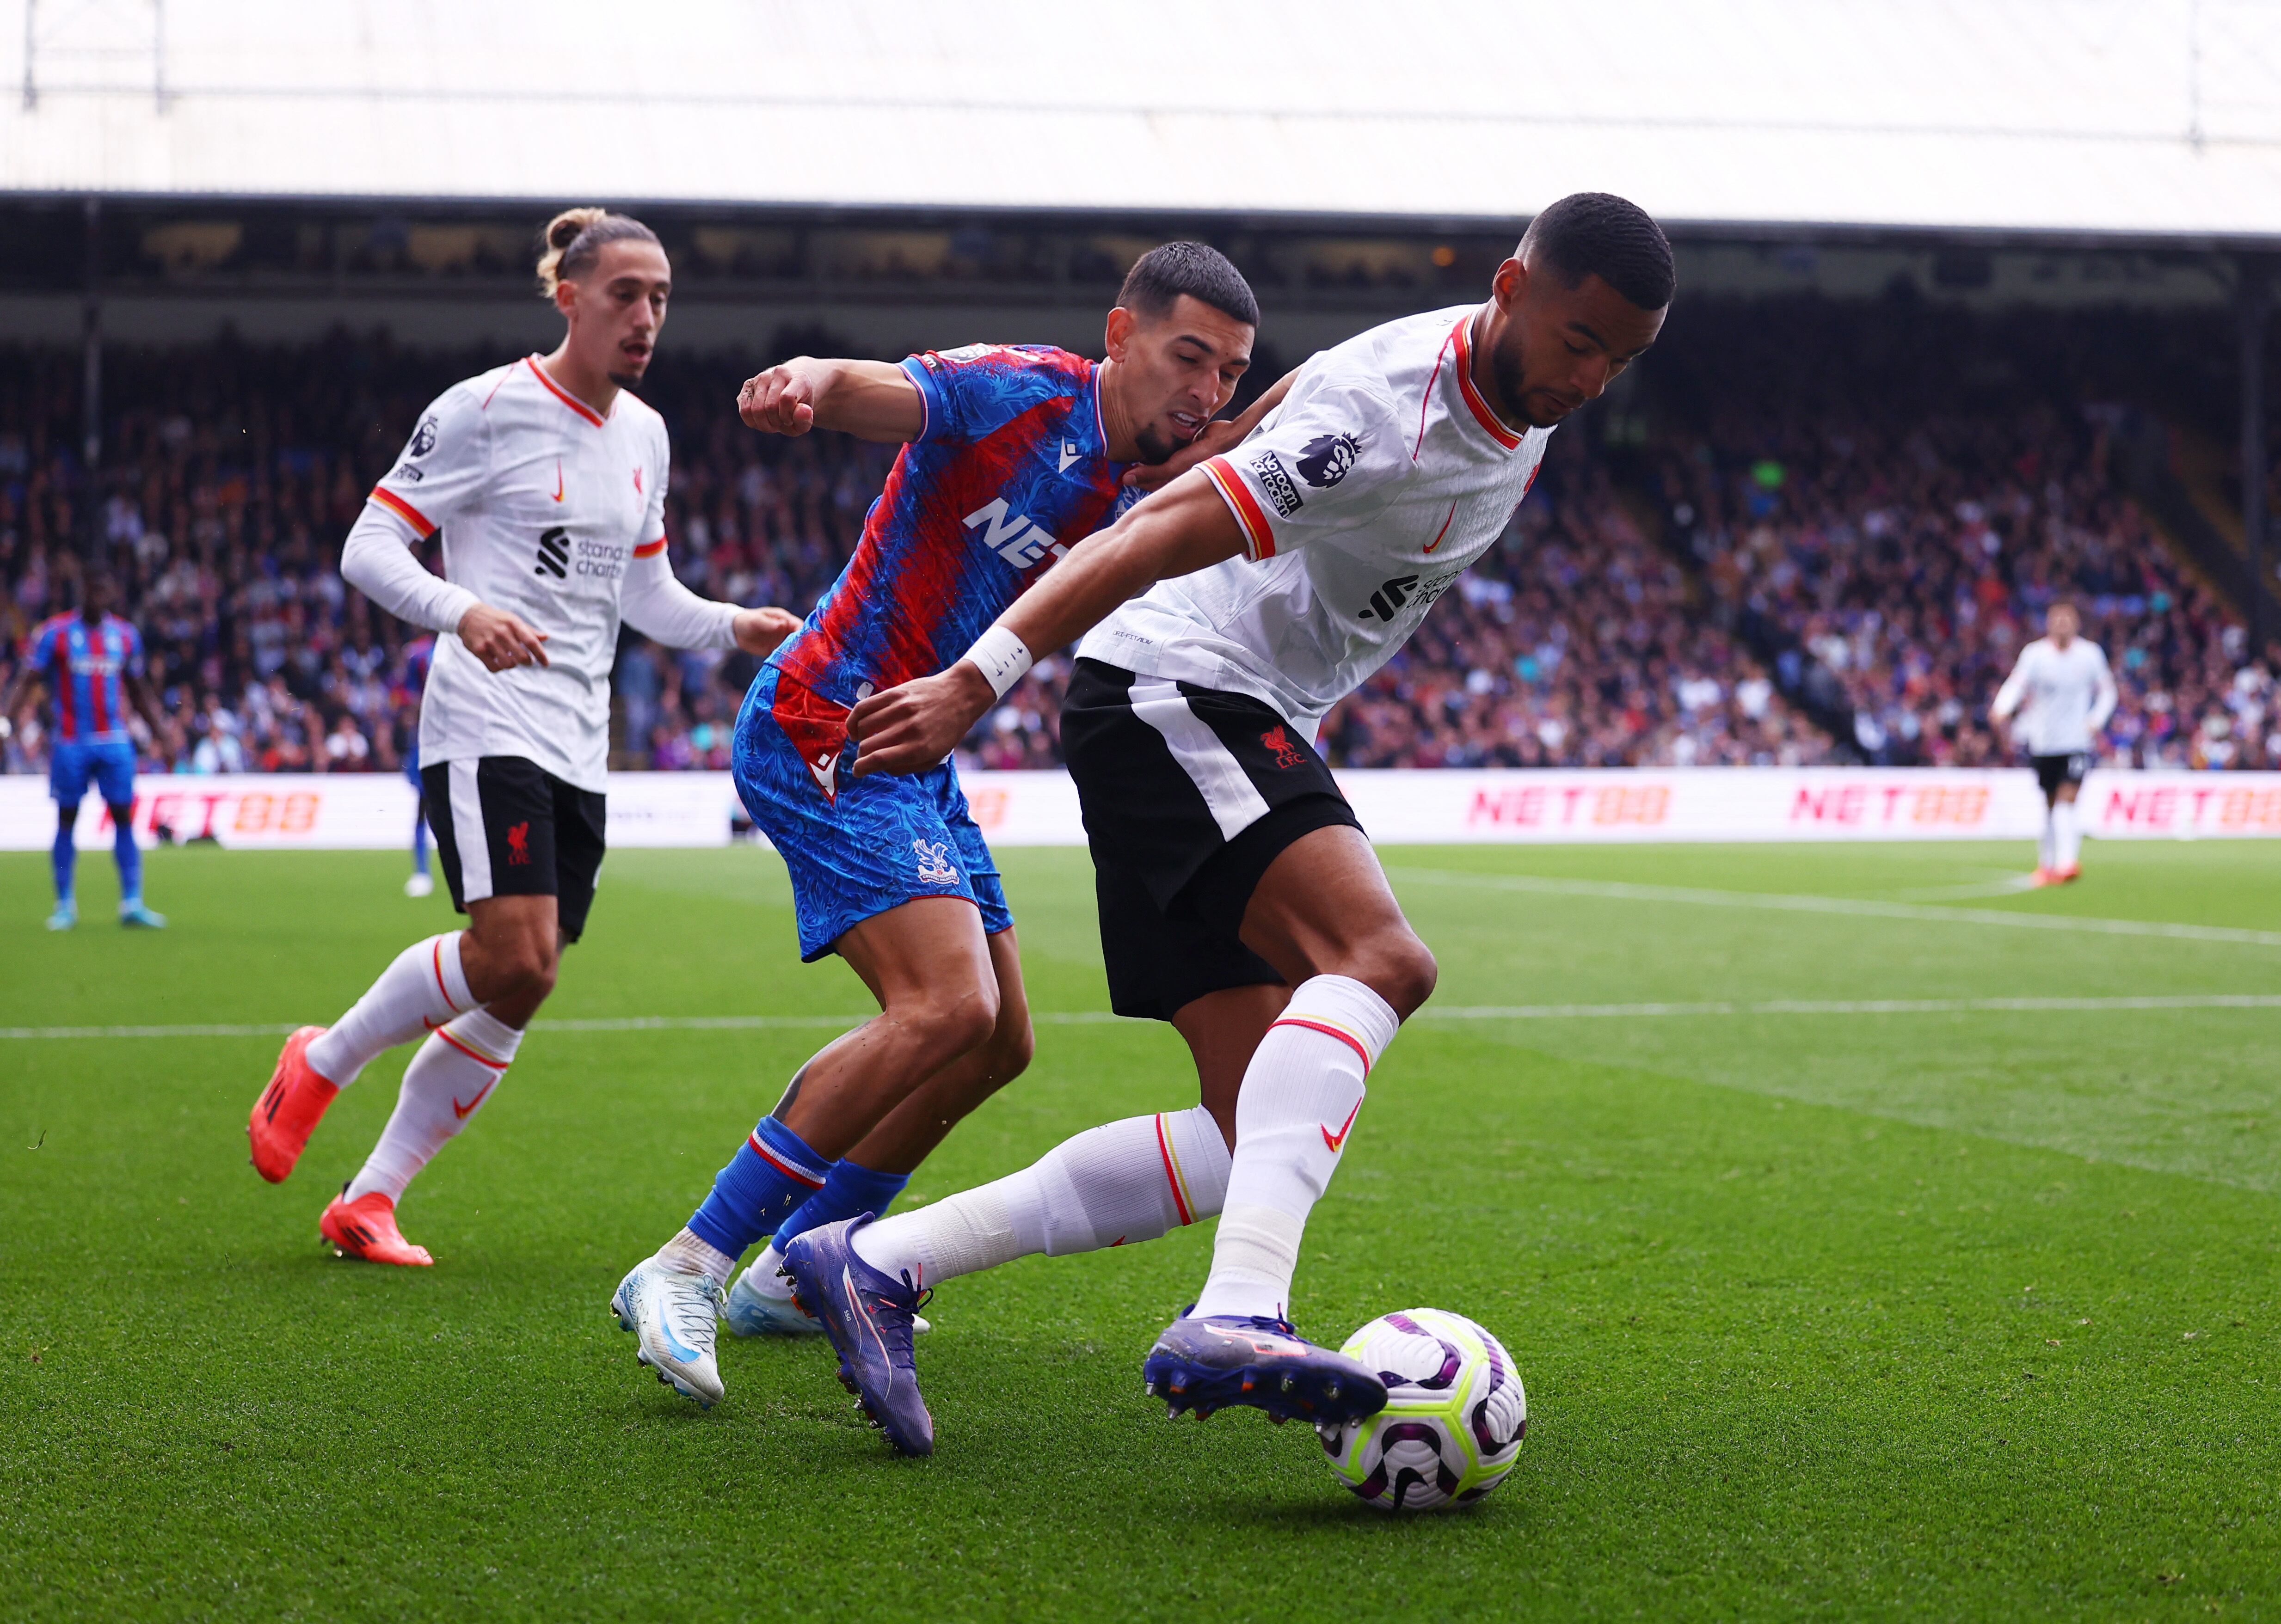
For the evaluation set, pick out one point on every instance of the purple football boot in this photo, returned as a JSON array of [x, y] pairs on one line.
[[1208, 1364], [868, 1317]]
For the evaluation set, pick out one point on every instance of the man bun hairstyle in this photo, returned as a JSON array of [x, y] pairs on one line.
[[575, 240], [1160, 276], [1598, 234]]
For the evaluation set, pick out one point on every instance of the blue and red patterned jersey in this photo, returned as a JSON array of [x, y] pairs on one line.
[[419, 656], [1011, 470], [86, 668]]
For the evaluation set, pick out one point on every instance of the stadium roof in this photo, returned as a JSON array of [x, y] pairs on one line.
[[2134, 117]]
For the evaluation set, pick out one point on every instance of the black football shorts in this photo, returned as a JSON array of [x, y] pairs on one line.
[[2053, 770], [506, 827], [1188, 794]]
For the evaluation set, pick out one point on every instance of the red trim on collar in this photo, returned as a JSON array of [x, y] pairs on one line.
[[1489, 420], [559, 393]]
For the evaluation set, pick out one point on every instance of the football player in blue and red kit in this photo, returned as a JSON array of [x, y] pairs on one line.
[[92, 663], [1011, 454], [419, 656]]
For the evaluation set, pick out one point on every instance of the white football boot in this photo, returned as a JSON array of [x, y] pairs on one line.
[[674, 1316], [761, 1304]]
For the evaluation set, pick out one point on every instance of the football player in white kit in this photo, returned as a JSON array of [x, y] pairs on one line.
[[2063, 682], [547, 478], [1263, 586]]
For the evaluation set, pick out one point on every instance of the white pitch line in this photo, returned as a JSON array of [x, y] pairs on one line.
[[1788, 903], [1483, 1012], [1857, 1006]]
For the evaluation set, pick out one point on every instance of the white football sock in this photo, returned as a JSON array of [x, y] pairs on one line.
[[453, 1075], [2047, 843], [1302, 1093], [418, 992], [2066, 834], [1111, 1185], [764, 1277], [690, 1253]]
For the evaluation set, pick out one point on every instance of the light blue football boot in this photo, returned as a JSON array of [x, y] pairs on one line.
[[674, 1316]]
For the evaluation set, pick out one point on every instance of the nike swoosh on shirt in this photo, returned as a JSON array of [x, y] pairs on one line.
[[460, 1111], [1339, 1138], [557, 484]]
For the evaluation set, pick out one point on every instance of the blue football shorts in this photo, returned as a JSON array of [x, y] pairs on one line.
[[111, 767], [856, 847]]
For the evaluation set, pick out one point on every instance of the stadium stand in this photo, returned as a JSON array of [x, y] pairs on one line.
[[1804, 536]]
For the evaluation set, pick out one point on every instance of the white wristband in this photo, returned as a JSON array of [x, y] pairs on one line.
[[1001, 657]]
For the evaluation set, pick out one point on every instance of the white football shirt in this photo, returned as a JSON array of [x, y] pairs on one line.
[[1362, 498], [545, 508], [2067, 696]]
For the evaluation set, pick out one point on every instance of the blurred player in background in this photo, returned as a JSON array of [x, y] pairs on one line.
[[419, 655], [1223, 618], [2063, 693], [92, 664], [548, 481], [1011, 454]]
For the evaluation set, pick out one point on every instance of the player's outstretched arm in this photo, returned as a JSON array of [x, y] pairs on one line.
[[1185, 528], [872, 400]]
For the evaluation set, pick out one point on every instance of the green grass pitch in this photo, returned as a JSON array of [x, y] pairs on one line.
[[1962, 1307]]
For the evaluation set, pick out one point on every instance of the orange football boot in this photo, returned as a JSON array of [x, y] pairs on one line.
[[2044, 876], [2068, 875], [289, 1110], [365, 1228]]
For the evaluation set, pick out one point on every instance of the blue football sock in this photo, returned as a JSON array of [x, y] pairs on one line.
[[847, 1190], [64, 856], [772, 1173], [129, 855], [419, 845]]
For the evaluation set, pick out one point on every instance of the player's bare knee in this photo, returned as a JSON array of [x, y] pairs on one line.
[[1400, 968], [953, 1022], [528, 967]]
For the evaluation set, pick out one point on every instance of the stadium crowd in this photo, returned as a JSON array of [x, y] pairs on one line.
[[1661, 598], [1868, 507]]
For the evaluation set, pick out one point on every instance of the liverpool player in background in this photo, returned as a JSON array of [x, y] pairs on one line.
[[548, 480], [92, 663], [2063, 680], [1012, 454]]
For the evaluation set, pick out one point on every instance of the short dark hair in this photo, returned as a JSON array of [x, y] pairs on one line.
[[1598, 234], [1160, 276]]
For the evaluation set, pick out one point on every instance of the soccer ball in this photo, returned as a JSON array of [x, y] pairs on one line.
[[1454, 1416]]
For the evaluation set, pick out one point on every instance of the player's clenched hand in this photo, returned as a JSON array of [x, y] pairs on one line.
[[781, 400], [500, 641], [911, 728], [760, 631], [1218, 436]]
